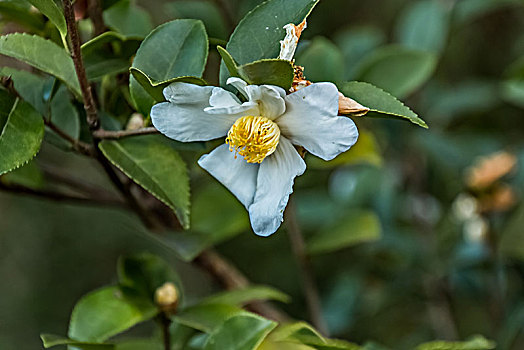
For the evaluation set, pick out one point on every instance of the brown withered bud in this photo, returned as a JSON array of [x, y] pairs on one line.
[[166, 298], [347, 106]]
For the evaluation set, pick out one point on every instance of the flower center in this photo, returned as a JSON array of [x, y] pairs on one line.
[[254, 138]]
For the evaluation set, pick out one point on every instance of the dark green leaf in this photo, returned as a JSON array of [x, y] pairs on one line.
[[155, 89], [243, 332], [106, 312], [258, 34], [380, 103], [397, 69], [246, 295], [29, 49], [268, 71], [50, 340], [228, 61], [29, 86], [145, 273], [322, 61], [28, 175], [206, 11], [207, 317], [475, 343], [175, 49], [356, 227], [50, 9], [153, 163], [65, 116], [424, 26], [128, 19], [141, 344], [21, 132], [19, 12]]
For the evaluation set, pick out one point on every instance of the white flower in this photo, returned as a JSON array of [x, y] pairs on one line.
[[258, 163]]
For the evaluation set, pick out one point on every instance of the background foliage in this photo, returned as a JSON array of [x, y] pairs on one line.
[[406, 246]]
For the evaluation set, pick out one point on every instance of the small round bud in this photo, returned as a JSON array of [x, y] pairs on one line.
[[135, 122], [166, 297]]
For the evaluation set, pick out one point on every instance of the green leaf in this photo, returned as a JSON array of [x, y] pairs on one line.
[[19, 12], [380, 103], [65, 116], [469, 10], [228, 61], [145, 273], [141, 344], [128, 19], [397, 69], [365, 151], [268, 71], [355, 44], [207, 317], [295, 331], [246, 295], [50, 9], [322, 61], [475, 343], [356, 227], [243, 332], [258, 34], [21, 132], [424, 25], [108, 53], [175, 49], [29, 49], [106, 312], [152, 162], [155, 89], [50, 340], [268, 344], [29, 86], [206, 11], [513, 233]]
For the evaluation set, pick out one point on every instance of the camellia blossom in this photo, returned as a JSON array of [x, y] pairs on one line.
[[258, 161]]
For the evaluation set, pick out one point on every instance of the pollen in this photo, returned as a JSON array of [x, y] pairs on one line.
[[254, 138]]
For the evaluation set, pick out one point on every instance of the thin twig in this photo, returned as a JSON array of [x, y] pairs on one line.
[[95, 13], [60, 197], [165, 322], [76, 55], [115, 135], [306, 272], [79, 146]]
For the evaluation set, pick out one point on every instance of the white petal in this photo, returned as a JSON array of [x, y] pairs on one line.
[[183, 118], [238, 84], [311, 121], [240, 110], [270, 99], [223, 98], [274, 185], [239, 176]]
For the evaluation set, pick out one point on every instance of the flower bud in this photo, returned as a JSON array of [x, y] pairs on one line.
[[166, 297]]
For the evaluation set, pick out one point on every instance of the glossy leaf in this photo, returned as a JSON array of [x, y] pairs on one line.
[[51, 10], [207, 317], [397, 69], [66, 117], [50, 340], [175, 49], [475, 343], [155, 89], [424, 26], [258, 34], [243, 332], [246, 295], [106, 312], [322, 61], [380, 103], [268, 71], [141, 344], [128, 19], [28, 175], [356, 227], [153, 163], [295, 331], [144, 273], [29, 86], [21, 132], [29, 48]]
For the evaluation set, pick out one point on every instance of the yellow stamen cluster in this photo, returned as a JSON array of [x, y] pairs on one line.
[[254, 138]]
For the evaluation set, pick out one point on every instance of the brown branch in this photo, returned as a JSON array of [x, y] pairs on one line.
[[79, 146], [306, 272], [95, 13], [76, 55], [115, 135], [60, 197]]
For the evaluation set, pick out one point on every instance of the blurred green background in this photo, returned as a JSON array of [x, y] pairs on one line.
[[414, 234]]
